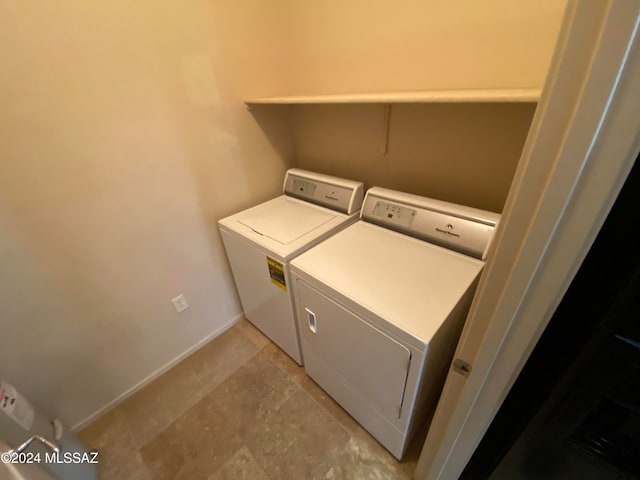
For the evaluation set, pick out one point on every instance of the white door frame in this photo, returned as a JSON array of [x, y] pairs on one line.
[[583, 141]]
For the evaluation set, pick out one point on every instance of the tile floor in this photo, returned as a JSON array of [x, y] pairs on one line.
[[239, 408]]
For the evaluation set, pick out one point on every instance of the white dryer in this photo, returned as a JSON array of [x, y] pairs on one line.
[[382, 303], [261, 241]]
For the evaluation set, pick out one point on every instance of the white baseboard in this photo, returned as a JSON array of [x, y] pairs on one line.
[[151, 377]]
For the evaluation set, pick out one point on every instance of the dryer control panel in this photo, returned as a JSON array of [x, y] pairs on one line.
[[394, 214], [463, 229], [332, 192]]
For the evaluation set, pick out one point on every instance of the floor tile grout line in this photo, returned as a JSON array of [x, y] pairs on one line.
[[199, 381], [269, 343], [244, 445], [283, 370], [130, 436], [350, 434], [229, 374], [241, 365], [279, 404], [188, 407], [327, 411], [300, 386], [246, 335], [207, 392], [269, 477], [289, 389], [293, 392], [297, 388]]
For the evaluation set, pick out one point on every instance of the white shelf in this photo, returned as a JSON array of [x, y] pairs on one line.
[[431, 96]]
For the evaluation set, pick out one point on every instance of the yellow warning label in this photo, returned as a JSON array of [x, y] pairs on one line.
[[276, 272]]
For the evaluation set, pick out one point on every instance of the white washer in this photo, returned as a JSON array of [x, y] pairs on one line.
[[382, 303], [261, 241]]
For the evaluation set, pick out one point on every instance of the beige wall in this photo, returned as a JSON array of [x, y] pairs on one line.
[[122, 140], [462, 153], [380, 45]]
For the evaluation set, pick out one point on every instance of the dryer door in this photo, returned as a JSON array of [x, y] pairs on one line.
[[373, 364]]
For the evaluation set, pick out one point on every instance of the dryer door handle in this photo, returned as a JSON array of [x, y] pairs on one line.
[[313, 323]]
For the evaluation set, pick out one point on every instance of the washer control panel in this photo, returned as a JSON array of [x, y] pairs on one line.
[[303, 187], [333, 192]]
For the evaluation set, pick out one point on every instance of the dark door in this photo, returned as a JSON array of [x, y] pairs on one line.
[[574, 411]]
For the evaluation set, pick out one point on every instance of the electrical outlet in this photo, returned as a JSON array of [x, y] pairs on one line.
[[180, 303]]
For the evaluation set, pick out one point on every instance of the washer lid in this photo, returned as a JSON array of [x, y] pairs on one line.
[[285, 226], [409, 283], [286, 221]]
